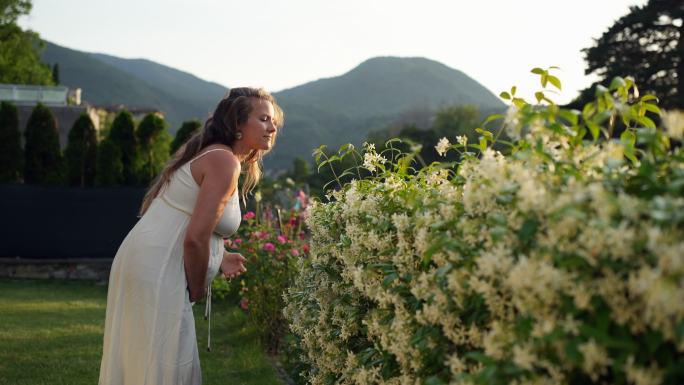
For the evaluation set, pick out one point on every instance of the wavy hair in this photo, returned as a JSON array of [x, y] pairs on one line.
[[220, 128]]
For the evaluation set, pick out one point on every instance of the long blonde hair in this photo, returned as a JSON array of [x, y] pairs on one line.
[[220, 128]]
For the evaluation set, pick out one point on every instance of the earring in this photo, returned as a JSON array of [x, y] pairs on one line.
[[238, 135]]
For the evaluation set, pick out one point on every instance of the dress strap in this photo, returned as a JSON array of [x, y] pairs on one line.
[[206, 152]]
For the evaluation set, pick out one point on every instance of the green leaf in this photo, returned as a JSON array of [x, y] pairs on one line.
[[483, 144], [646, 122], [570, 115], [513, 89], [323, 163], [594, 129], [344, 148], [492, 118], [555, 81], [519, 102], [537, 71], [651, 107], [600, 90], [628, 138], [617, 82], [539, 95], [646, 98], [528, 230], [480, 357], [588, 110], [505, 95], [434, 380], [485, 133]]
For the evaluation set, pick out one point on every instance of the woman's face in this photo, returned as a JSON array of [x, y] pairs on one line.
[[258, 132]]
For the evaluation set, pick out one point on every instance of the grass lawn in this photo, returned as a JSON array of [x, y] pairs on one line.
[[51, 333]]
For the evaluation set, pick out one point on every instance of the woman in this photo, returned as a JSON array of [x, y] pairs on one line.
[[169, 258]]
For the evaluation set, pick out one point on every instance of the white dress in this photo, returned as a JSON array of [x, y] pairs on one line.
[[149, 335]]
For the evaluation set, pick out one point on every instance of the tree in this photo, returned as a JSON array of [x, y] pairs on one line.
[[42, 156], [19, 50], [109, 167], [10, 143], [122, 135], [154, 146], [55, 74], [647, 44], [457, 120], [10, 10], [301, 169], [187, 130], [81, 152]]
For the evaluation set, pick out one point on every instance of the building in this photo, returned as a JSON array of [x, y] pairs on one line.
[[66, 105]]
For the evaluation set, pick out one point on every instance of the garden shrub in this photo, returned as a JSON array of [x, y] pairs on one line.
[[558, 262]]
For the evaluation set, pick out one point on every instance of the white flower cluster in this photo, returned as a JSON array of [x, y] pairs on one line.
[[442, 146], [538, 268], [371, 159]]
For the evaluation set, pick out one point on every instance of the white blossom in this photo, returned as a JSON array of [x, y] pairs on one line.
[[674, 123], [442, 146]]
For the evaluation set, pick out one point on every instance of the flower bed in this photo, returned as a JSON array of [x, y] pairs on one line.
[[561, 262], [272, 241]]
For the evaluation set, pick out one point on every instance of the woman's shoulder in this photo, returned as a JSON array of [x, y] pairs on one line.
[[218, 156]]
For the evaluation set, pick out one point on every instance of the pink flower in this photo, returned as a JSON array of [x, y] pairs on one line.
[[244, 304], [237, 241], [294, 252], [302, 235], [282, 239], [249, 215], [268, 246]]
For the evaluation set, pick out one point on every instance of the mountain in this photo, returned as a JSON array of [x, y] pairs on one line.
[[346, 108], [199, 93], [329, 111], [389, 85], [107, 80]]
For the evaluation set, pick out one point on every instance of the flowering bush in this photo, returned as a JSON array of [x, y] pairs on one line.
[[271, 242], [561, 262]]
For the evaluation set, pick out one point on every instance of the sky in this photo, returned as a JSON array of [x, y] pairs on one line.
[[281, 44]]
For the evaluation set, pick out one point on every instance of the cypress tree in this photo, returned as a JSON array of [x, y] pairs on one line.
[[155, 142], [42, 156], [109, 167], [55, 74], [10, 144], [187, 130], [81, 152], [122, 134]]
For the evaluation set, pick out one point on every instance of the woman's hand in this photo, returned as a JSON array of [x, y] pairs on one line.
[[232, 265]]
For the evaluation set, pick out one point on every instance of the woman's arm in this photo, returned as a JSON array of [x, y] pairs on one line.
[[217, 174]]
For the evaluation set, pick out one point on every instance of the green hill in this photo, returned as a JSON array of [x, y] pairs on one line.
[[346, 108], [111, 82], [201, 94], [328, 111], [389, 85]]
